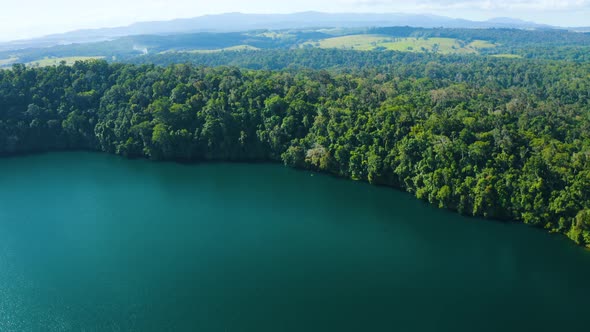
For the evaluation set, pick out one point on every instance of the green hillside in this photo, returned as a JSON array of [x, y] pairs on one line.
[[368, 42]]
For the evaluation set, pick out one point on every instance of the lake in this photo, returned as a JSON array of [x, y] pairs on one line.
[[93, 242]]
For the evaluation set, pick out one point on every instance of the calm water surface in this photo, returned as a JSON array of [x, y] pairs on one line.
[[92, 242]]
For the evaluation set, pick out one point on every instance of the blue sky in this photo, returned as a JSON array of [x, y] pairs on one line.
[[29, 18]]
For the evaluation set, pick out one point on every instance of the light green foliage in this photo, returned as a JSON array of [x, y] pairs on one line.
[[507, 56], [580, 230]]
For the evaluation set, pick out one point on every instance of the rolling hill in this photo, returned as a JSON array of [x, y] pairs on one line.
[[239, 22]]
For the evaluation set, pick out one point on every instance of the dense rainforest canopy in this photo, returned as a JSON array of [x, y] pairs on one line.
[[340, 60], [498, 138]]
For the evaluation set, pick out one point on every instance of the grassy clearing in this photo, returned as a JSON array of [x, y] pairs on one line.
[[233, 48], [379, 42], [8, 62], [355, 42], [56, 61], [481, 44], [507, 56]]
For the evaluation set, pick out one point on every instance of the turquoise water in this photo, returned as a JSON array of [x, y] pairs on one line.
[[92, 242]]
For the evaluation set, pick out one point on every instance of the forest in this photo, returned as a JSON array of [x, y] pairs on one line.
[[344, 60], [504, 139]]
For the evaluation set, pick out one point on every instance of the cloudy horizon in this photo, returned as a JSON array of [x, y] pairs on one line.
[[17, 21]]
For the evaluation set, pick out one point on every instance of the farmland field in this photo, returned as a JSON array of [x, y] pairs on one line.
[[232, 48], [8, 61], [507, 56], [376, 42], [56, 61]]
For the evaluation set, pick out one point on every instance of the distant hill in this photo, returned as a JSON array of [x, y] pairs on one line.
[[556, 44], [238, 22]]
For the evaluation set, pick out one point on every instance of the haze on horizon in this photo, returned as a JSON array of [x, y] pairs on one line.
[[34, 18]]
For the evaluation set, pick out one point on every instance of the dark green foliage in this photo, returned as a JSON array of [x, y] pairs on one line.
[[400, 63], [504, 36], [497, 138]]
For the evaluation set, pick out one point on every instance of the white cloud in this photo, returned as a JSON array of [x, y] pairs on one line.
[[475, 4], [541, 5]]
